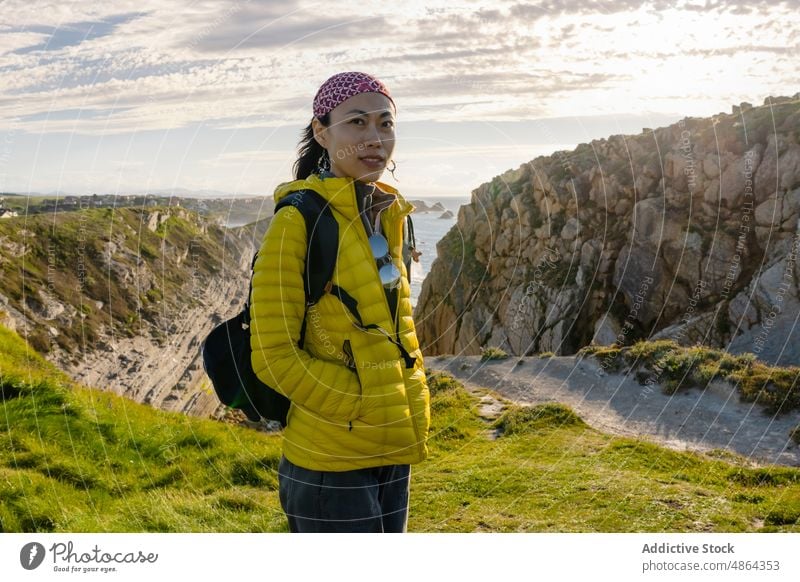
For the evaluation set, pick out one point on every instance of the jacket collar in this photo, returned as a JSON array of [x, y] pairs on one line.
[[341, 194]]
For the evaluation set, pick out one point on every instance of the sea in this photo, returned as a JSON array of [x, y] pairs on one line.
[[429, 229]]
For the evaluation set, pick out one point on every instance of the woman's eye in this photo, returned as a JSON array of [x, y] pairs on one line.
[[358, 120]]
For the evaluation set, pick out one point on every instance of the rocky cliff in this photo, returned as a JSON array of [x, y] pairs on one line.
[[688, 231], [121, 299]]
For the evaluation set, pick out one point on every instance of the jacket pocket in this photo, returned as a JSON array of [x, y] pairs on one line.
[[347, 355]]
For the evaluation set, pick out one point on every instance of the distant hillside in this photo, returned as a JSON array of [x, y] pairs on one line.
[[688, 232], [121, 298], [74, 459], [222, 210]]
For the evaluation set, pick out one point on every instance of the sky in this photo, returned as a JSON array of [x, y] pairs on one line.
[[134, 96]]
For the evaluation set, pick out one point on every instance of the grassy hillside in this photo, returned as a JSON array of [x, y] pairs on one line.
[[73, 459], [76, 272], [76, 459]]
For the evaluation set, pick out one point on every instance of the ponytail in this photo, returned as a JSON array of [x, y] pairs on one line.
[[309, 151]]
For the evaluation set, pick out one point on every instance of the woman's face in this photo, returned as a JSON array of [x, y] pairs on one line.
[[360, 138]]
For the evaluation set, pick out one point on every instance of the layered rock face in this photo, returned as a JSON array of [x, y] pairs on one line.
[[167, 372], [688, 231], [128, 309]]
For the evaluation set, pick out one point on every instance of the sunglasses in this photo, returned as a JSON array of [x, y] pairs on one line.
[[388, 271]]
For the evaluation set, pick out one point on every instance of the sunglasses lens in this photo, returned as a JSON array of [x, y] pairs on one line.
[[379, 246], [390, 275]]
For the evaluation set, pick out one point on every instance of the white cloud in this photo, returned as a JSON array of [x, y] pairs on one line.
[[144, 66]]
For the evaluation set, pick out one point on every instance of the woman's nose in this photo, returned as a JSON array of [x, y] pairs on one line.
[[373, 136]]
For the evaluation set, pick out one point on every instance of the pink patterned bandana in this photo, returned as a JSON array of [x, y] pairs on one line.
[[342, 86]]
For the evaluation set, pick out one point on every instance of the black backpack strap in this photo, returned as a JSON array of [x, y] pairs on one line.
[[411, 237], [322, 234], [246, 311], [409, 244]]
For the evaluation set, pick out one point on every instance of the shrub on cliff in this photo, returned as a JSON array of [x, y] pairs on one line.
[[492, 353]]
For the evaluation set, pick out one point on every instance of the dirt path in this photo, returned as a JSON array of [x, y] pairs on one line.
[[694, 419]]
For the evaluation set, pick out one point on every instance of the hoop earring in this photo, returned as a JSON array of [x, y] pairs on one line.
[[394, 167]]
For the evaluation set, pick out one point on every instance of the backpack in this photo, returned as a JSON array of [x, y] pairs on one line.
[[226, 351]]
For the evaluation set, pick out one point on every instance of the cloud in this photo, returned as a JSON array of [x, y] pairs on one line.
[[259, 26], [178, 63], [554, 8], [534, 84], [503, 51], [54, 74], [711, 52], [73, 114], [55, 38], [12, 39]]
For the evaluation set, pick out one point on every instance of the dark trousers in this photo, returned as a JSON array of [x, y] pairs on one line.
[[362, 500]]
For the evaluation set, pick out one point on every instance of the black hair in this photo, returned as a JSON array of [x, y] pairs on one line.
[[309, 151]]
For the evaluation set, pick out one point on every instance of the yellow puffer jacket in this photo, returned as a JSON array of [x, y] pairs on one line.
[[340, 419]]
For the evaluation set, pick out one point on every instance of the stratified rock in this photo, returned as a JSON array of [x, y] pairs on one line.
[[659, 234]]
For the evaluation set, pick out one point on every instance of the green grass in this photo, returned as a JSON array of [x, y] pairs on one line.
[[530, 419], [493, 353], [775, 388], [549, 471], [75, 459]]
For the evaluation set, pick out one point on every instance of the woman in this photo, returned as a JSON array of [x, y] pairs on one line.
[[360, 402]]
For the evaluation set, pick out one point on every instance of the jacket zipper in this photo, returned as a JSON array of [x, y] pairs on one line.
[[395, 315], [363, 235], [414, 424]]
